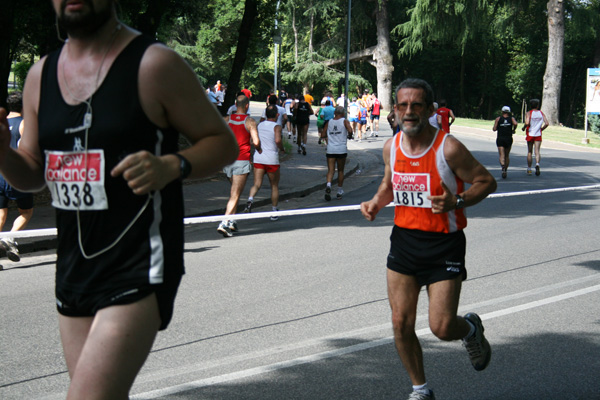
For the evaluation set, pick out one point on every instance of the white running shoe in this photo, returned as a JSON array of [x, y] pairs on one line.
[[224, 230], [12, 249], [421, 396], [232, 225], [275, 217]]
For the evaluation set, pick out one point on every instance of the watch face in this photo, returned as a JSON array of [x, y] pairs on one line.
[[460, 203]]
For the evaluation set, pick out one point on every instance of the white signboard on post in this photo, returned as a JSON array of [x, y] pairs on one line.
[[592, 96], [593, 91]]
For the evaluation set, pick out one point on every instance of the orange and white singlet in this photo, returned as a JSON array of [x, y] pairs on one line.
[[414, 178]]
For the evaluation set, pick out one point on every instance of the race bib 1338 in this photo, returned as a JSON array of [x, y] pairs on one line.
[[73, 184]]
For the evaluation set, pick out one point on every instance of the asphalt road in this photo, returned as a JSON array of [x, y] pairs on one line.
[[297, 308]]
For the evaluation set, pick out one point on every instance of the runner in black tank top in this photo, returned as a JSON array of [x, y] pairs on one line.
[[505, 125], [101, 116], [302, 111], [151, 251]]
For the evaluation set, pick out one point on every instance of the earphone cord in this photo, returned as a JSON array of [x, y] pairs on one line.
[[127, 228], [89, 112]]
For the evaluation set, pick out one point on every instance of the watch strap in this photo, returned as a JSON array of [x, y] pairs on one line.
[[185, 167]]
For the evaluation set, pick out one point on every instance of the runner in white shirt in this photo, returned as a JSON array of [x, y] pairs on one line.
[[353, 110], [267, 161], [535, 123], [282, 118], [337, 131], [435, 120], [289, 111]]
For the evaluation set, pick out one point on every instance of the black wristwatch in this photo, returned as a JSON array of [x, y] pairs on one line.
[[185, 167], [460, 202]]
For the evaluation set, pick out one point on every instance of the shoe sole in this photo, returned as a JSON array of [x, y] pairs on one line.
[[14, 257], [224, 233]]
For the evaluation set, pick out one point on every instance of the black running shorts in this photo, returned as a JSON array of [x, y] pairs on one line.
[[72, 304], [428, 256], [505, 142], [344, 155]]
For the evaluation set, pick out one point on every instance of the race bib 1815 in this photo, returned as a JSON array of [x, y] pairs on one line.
[[411, 190], [73, 185]]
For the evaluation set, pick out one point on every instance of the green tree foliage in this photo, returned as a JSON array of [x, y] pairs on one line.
[[594, 123], [478, 54], [490, 53]]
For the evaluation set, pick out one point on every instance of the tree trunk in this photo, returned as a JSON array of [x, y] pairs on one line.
[[554, 65], [149, 21], [241, 53], [383, 56], [295, 29], [312, 29], [461, 88], [597, 53], [6, 31]]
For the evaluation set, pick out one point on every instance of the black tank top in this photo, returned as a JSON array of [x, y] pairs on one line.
[[505, 127], [152, 251], [302, 113]]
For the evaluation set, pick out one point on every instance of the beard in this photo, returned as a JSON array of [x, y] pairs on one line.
[[86, 21], [414, 129]]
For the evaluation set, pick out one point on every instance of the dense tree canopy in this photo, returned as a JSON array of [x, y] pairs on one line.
[[477, 54]]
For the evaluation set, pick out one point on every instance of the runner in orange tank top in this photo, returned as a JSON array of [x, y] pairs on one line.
[[424, 173]]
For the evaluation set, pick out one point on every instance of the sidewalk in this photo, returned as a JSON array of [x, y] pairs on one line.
[[300, 176]]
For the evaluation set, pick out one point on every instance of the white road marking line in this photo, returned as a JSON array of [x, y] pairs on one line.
[[350, 349]]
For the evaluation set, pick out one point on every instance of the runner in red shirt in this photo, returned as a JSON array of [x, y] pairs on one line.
[[246, 134], [447, 116], [375, 113], [247, 92]]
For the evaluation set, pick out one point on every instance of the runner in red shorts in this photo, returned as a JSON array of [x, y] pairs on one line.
[[535, 123], [267, 162]]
